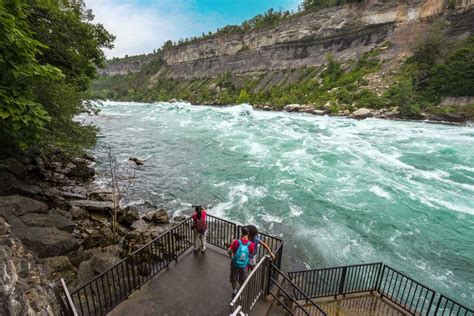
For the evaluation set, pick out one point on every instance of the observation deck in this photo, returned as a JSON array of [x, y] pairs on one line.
[[165, 277]]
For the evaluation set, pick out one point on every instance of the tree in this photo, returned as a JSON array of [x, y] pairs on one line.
[[21, 115], [47, 60], [120, 181]]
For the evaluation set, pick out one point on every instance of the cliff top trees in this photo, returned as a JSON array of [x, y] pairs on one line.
[[320, 4]]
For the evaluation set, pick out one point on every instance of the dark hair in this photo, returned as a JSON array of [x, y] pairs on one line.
[[244, 230], [253, 231], [198, 209]]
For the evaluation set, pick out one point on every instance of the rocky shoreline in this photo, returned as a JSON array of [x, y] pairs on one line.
[[55, 222], [392, 113]]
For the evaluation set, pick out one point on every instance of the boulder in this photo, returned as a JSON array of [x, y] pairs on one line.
[[128, 216], [98, 238], [318, 112], [267, 108], [173, 100], [14, 166], [7, 181], [103, 261], [99, 262], [67, 192], [292, 108], [179, 218], [15, 205], [158, 217], [59, 267], [4, 227], [47, 241], [139, 225], [77, 212], [101, 195], [52, 219], [81, 169], [27, 189], [104, 207], [362, 113]]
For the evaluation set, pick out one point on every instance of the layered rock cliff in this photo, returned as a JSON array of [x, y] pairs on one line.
[[334, 61], [304, 39]]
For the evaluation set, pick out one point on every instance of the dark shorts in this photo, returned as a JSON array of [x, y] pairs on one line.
[[237, 274]]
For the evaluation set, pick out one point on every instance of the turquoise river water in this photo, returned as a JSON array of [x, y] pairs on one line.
[[339, 191]]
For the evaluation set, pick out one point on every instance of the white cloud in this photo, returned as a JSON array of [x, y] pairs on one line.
[[140, 29]]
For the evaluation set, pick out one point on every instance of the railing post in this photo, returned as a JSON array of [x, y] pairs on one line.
[[280, 255], [431, 302], [437, 305], [343, 281], [173, 245], [269, 276], [379, 278]]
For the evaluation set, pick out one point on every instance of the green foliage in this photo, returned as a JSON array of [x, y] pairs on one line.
[[244, 97], [48, 57], [455, 75], [21, 116], [308, 5]]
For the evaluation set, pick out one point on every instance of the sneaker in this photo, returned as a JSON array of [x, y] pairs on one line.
[[203, 250]]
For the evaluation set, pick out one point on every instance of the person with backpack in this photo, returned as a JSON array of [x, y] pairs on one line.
[[200, 229], [240, 251], [255, 238]]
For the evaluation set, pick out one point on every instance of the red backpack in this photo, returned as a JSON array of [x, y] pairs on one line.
[[201, 225]]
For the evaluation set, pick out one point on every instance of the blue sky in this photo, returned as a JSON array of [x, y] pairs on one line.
[[144, 25]]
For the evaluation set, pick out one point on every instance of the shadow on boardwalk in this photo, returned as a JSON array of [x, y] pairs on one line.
[[196, 285]]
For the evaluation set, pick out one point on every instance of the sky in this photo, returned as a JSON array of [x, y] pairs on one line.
[[143, 25]]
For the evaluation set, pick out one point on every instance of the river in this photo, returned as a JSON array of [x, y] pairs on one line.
[[339, 191]]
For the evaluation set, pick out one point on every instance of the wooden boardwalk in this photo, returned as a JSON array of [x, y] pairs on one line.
[[196, 285]]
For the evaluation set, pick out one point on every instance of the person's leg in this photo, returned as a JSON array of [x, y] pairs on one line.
[[242, 275], [196, 240], [203, 241], [233, 279]]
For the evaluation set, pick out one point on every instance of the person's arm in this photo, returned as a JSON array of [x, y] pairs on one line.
[[231, 249], [264, 244]]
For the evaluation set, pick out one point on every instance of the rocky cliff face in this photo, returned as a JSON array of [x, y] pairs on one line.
[[304, 40]]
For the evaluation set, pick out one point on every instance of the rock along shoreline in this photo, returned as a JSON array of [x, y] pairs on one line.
[[392, 113], [55, 222]]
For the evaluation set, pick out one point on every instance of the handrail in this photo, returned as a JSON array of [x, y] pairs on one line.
[[103, 292], [246, 302], [389, 283], [109, 288], [64, 298], [405, 292], [295, 287], [448, 306]]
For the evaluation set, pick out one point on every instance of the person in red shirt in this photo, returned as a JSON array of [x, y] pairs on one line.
[[240, 251], [200, 228]]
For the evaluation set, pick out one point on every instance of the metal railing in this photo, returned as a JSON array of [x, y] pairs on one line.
[[447, 306], [337, 280], [293, 294], [63, 298], [391, 284], [108, 289], [253, 288], [405, 292], [101, 294]]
